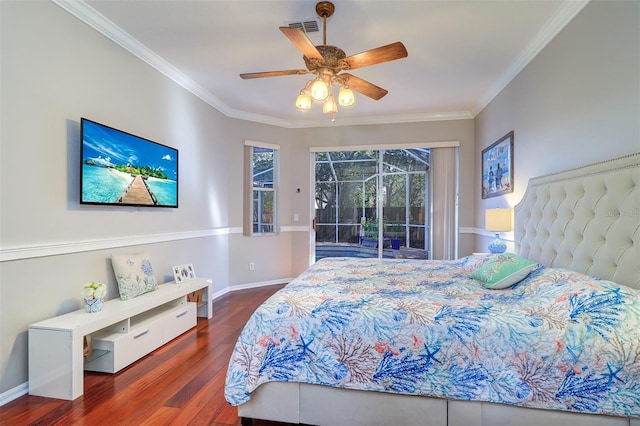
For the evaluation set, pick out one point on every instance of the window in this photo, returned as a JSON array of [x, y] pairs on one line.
[[261, 188]]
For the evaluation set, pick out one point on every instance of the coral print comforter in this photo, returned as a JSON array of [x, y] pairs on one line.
[[555, 340]]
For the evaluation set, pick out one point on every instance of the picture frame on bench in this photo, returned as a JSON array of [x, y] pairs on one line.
[[183, 273]]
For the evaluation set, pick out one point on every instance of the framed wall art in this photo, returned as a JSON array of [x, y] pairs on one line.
[[497, 167]]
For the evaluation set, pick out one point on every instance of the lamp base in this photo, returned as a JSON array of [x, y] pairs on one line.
[[497, 246]]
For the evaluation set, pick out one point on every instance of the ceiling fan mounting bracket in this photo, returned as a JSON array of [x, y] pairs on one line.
[[325, 9]]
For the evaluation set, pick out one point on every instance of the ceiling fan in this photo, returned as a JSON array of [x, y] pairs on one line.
[[328, 64]]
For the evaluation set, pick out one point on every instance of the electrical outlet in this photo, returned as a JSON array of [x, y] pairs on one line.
[[252, 266]]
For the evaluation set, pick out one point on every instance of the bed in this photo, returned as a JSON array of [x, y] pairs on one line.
[[427, 342]]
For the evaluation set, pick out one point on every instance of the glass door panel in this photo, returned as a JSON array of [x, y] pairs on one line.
[[347, 187], [406, 197], [394, 209], [418, 222]]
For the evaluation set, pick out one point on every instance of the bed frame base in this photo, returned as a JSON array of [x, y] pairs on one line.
[[301, 403]]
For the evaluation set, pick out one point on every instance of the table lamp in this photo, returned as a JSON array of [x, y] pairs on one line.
[[497, 220]]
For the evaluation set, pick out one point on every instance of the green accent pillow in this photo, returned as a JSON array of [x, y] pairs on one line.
[[503, 270]]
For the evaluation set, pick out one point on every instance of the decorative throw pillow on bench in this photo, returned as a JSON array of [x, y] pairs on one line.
[[134, 274]]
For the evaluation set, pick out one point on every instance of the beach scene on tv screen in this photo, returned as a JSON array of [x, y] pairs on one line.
[[119, 168]]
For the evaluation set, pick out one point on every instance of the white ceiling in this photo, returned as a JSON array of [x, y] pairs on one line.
[[461, 52]]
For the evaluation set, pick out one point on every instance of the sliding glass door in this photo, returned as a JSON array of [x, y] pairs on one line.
[[372, 203]]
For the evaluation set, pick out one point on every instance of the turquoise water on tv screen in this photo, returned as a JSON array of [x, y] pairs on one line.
[[104, 185], [165, 191]]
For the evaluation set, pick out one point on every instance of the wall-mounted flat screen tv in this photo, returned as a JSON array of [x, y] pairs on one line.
[[121, 169]]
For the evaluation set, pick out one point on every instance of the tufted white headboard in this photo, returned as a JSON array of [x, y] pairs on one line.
[[585, 219]]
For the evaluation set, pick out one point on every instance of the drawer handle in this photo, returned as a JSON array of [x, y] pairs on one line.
[[181, 314], [142, 333]]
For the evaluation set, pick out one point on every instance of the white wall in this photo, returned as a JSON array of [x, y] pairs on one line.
[[56, 69], [576, 103]]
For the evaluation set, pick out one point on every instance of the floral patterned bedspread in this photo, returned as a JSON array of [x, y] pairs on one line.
[[556, 340]]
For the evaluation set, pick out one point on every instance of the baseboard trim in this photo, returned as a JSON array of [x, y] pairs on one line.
[[15, 393], [247, 286], [238, 287]]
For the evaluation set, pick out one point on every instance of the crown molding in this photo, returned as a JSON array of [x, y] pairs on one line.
[[354, 121], [106, 27], [565, 13], [81, 10]]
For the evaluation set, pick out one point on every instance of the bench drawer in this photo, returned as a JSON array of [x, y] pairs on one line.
[[149, 333], [179, 321]]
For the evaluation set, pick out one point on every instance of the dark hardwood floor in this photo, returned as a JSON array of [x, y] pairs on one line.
[[181, 383]]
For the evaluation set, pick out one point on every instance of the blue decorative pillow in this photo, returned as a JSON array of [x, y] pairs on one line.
[[503, 270], [134, 274]]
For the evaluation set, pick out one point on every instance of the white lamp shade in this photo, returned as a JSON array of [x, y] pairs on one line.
[[345, 97], [497, 220], [304, 101], [319, 90], [329, 106]]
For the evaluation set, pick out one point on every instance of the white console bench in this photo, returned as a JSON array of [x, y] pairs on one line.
[[122, 332]]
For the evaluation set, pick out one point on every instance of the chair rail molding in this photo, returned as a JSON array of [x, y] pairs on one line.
[[70, 247]]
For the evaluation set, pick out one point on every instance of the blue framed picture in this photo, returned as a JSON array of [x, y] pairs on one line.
[[497, 167]]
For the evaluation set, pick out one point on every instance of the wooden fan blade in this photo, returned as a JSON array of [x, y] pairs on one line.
[[387, 53], [250, 75], [363, 86], [302, 42]]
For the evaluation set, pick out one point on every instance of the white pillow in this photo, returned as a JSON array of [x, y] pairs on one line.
[[134, 274]]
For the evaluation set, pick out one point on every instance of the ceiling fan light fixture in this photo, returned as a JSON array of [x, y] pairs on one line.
[[319, 90], [327, 64], [329, 106], [345, 96]]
